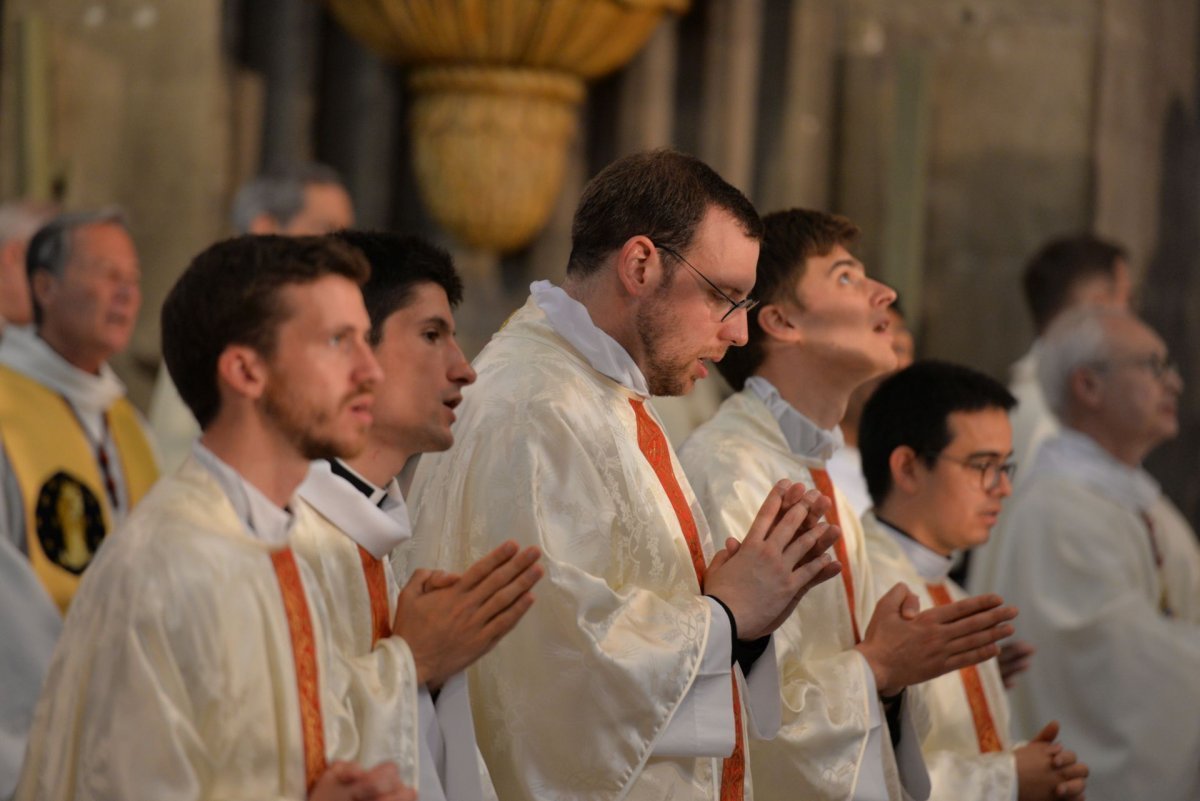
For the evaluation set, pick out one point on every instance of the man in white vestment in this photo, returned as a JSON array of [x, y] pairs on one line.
[[409, 296], [74, 455], [1103, 567], [623, 680], [305, 200], [19, 221], [937, 445], [845, 656], [1064, 274], [197, 661], [845, 465]]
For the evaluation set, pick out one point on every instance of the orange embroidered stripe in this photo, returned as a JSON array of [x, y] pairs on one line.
[[985, 727], [377, 591], [304, 654], [825, 486], [653, 445]]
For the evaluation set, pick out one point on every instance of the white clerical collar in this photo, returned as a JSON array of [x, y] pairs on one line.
[[1078, 456], [804, 437], [929, 564], [377, 521], [570, 320], [24, 351], [262, 518]]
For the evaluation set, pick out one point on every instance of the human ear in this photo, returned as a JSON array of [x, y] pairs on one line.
[[775, 322], [905, 468], [243, 371], [639, 266]]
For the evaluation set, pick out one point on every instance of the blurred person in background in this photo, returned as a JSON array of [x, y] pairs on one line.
[[74, 455], [1104, 568], [19, 220]]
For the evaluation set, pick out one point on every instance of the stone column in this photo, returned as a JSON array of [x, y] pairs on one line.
[[139, 116]]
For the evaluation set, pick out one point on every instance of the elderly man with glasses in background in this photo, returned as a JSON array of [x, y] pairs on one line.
[[1104, 568]]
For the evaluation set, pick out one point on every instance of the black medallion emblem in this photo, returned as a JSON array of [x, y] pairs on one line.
[[70, 523]]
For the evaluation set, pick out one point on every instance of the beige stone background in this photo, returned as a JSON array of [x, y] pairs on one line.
[[958, 133]]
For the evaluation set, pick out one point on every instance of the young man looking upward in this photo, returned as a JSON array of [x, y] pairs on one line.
[[821, 331], [197, 662], [937, 447], [446, 623]]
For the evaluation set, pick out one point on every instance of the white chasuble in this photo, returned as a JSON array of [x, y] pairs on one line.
[[175, 676], [958, 768], [1120, 673], [834, 742], [591, 695], [348, 553]]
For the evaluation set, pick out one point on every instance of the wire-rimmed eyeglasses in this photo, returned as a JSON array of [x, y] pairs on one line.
[[745, 304]]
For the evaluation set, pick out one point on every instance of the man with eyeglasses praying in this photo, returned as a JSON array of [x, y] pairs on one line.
[[1104, 568], [936, 446], [646, 662], [846, 655]]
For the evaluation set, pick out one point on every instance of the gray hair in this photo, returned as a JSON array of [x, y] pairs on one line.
[[20, 219], [50, 248], [1077, 338], [278, 194]]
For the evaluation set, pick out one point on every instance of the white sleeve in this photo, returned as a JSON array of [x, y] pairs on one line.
[[763, 700], [871, 784], [29, 627], [703, 722]]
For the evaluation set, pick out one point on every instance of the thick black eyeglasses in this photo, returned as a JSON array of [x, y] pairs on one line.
[[989, 471], [734, 305]]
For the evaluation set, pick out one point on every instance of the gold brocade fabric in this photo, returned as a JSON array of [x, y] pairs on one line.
[[733, 461], [176, 678], [572, 702], [958, 768], [67, 508]]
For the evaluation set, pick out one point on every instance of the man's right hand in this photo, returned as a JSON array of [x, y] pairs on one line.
[[1046, 771], [346, 781], [448, 623], [904, 648], [783, 556]]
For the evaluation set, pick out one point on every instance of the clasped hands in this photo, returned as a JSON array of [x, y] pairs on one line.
[[449, 621], [783, 556]]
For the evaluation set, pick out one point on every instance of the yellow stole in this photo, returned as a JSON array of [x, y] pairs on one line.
[[67, 512]]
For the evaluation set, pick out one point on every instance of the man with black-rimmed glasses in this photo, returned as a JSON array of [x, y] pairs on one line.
[[936, 445]]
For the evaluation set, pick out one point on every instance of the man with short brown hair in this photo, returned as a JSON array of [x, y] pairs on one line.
[[643, 649], [197, 662]]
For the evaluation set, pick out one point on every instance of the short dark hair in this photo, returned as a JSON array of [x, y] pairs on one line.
[[661, 194], [790, 238], [399, 263], [231, 294], [1059, 267], [50, 248], [913, 407]]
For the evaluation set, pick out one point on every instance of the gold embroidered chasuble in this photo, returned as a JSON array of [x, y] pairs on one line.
[[175, 677], [958, 770], [821, 751], [66, 505], [574, 701]]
